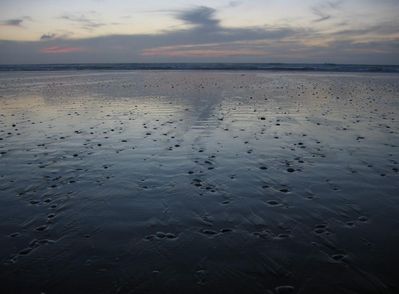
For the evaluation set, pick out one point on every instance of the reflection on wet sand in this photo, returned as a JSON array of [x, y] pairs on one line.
[[146, 181]]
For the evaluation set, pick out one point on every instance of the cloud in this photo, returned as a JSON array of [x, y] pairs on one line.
[[15, 22], [60, 49], [207, 50], [322, 16], [61, 34], [83, 21], [203, 53], [215, 40], [384, 30], [201, 16], [48, 36], [325, 10], [207, 29], [205, 39]]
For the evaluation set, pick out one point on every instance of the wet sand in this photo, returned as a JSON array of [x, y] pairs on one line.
[[199, 182]]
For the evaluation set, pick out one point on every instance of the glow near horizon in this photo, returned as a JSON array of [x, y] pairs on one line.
[[76, 20]]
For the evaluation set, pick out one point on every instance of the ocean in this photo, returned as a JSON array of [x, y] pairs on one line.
[[301, 67]]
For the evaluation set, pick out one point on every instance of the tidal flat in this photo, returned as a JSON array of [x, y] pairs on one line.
[[199, 182]]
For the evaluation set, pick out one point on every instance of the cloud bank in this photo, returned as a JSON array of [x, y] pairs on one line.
[[205, 39]]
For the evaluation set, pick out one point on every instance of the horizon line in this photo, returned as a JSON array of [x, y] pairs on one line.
[[199, 63]]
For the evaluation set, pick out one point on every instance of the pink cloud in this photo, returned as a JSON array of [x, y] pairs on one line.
[[60, 49]]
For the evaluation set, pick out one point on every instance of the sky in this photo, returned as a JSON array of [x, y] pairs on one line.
[[292, 31]]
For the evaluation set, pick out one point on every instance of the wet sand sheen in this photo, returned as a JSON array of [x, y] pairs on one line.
[[206, 182]]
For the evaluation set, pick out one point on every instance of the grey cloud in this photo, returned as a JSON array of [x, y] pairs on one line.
[[83, 21], [202, 16], [60, 35], [207, 29], [324, 11], [48, 36], [16, 22], [322, 16]]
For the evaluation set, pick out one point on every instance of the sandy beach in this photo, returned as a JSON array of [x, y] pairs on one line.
[[196, 181]]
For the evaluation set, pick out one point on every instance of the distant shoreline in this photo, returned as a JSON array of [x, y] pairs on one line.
[[301, 67]]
